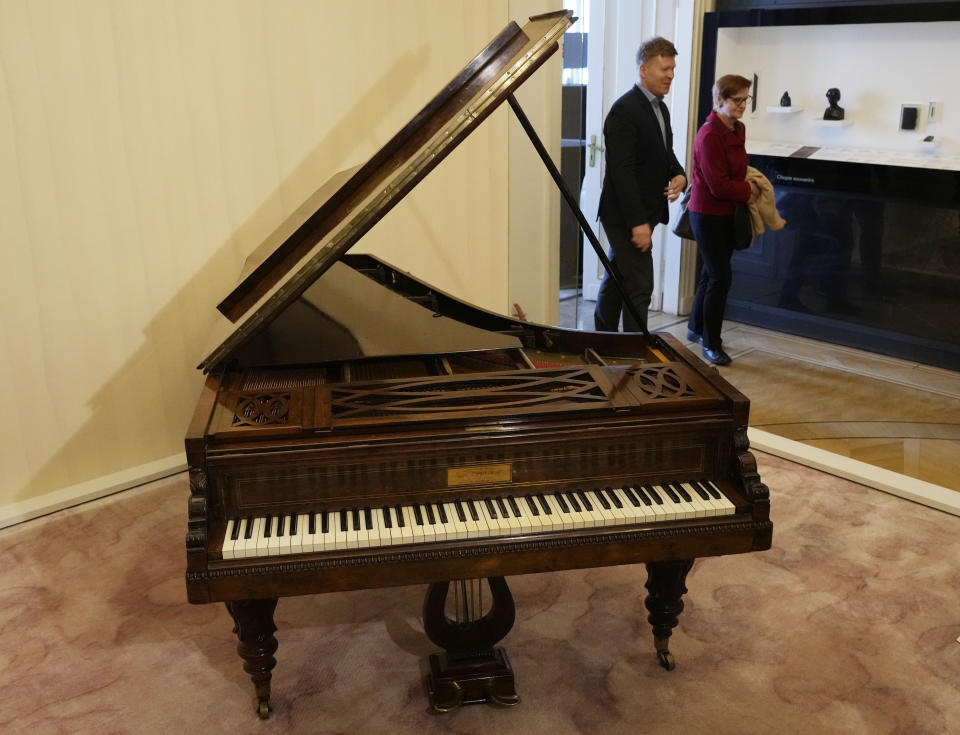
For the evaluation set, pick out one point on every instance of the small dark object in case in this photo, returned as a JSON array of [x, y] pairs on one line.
[[908, 118]]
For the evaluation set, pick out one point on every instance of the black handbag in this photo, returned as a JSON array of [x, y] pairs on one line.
[[681, 228], [742, 227]]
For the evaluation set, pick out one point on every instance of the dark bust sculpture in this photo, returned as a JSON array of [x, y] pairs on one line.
[[834, 111], [785, 100]]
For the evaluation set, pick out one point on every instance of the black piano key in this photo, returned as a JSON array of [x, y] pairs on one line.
[[387, 522], [503, 508], [617, 503], [235, 533], [324, 522], [547, 510], [490, 509], [681, 491], [704, 495], [280, 525], [562, 502], [401, 523], [474, 513], [431, 518], [367, 519], [266, 527], [458, 506], [343, 520], [648, 497], [513, 506], [293, 524], [654, 495], [584, 500], [571, 498], [603, 500], [532, 505], [442, 512], [670, 493], [632, 496], [708, 486], [417, 515], [312, 523], [356, 520]]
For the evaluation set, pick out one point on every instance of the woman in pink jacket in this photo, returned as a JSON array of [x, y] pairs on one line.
[[718, 180]]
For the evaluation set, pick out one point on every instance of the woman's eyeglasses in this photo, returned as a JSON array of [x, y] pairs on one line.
[[741, 100]]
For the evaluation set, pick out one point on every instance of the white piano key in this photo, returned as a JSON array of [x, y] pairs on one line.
[[579, 521], [340, 531], [457, 529], [507, 522], [476, 527], [726, 507], [260, 531], [416, 529], [311, 540], [429, 529], [273, 543], [535, 520], [563, 520], [663, 511], [625, 512], [686, 509], [439, 527], [359, 520], [598, 515], [226, 551], [639, 512], [491, 518], [296, 539], [704, 509], [400, 533], [550, 520], [386, 523], [376, 532]]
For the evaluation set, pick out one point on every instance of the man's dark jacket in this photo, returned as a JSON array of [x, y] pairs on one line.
[[639, 165]]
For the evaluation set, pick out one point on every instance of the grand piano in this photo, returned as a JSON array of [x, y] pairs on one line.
[[359, 428]]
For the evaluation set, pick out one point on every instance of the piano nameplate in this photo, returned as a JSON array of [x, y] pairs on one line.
[[486, 474]]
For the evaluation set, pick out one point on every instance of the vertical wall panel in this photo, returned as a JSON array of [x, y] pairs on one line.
[[146, 147]]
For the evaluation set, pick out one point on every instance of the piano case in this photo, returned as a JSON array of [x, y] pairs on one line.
[[334, 448]]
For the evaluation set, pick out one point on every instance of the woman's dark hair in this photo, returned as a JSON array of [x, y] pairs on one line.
[[728, 85]]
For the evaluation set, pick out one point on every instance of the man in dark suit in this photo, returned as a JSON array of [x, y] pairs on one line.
[[642, 175]]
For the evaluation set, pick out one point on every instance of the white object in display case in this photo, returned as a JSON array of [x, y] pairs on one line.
[[832, 123], [784, 110]]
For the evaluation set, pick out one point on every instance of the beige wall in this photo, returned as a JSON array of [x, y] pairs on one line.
[[146, 147]]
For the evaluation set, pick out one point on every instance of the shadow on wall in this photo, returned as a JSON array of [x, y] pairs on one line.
[[187, 318]]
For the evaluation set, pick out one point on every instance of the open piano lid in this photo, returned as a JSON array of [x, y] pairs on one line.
[[331, 221]]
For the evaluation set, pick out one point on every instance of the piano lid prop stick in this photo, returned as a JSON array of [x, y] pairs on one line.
[[578, 213]]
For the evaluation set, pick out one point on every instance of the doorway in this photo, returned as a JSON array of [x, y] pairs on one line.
[[599, 65]]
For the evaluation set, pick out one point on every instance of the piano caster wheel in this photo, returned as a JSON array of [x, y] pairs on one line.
[[666, 660], [263, 708], [455, 701]]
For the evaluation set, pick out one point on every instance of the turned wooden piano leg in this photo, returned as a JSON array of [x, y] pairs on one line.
[[665, 583], [253, 624]]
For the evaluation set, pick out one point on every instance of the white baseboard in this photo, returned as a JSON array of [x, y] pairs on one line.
[[67, 497], [902, 486]]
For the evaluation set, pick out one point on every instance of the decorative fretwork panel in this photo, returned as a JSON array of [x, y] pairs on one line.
[[258, 409], [662, 381], [513, 391]]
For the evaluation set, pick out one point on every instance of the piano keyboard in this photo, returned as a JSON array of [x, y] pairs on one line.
[[355, 528]]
